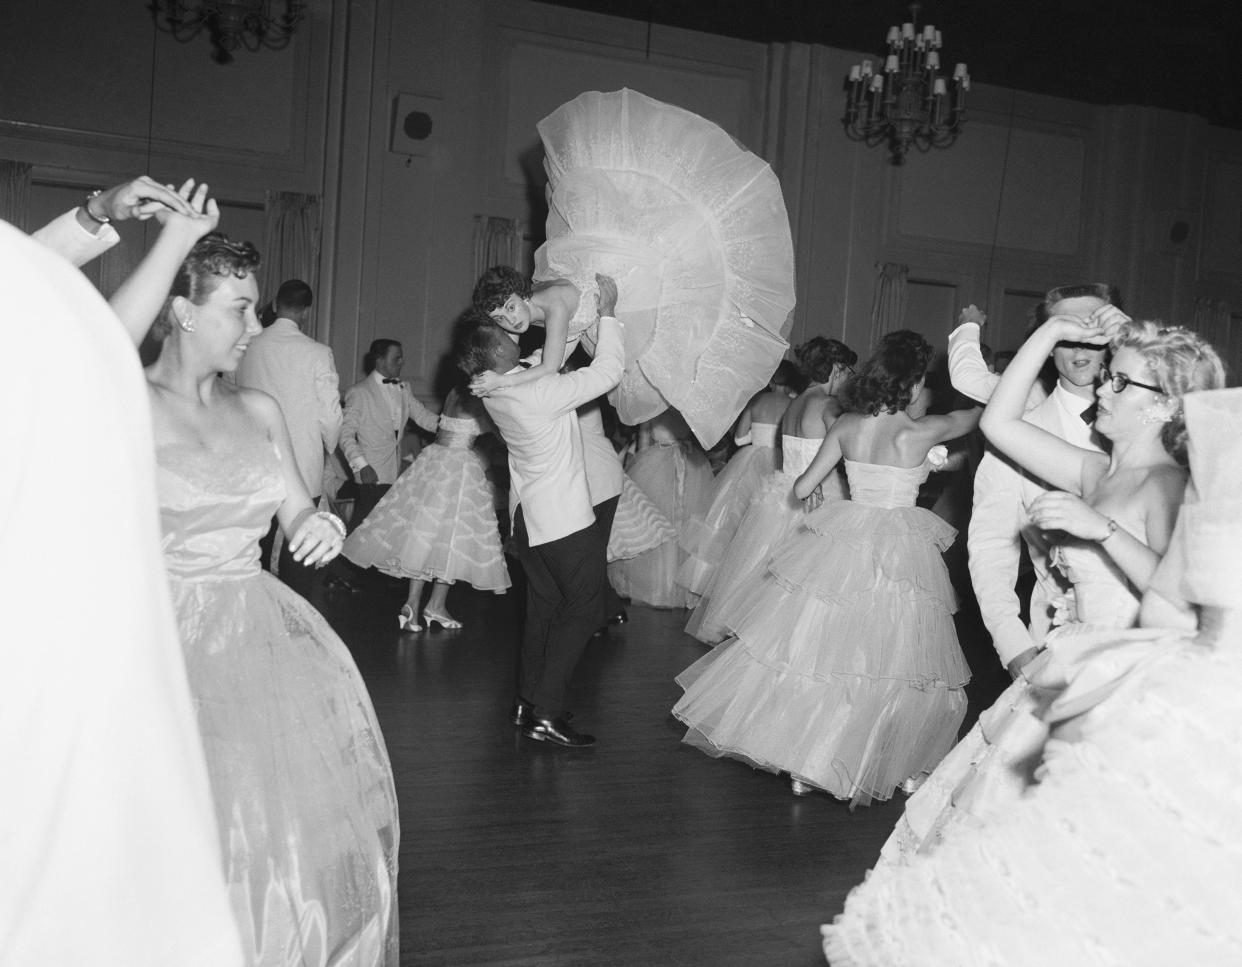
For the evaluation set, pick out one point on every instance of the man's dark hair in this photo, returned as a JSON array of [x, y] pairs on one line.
[[294, 294], [379, 349], [1096, 290], [477, 347]]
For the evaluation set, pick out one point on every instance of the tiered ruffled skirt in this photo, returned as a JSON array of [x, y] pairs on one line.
[[845, 671]]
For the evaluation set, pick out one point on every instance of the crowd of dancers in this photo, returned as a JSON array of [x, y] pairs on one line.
[[1090, 815]]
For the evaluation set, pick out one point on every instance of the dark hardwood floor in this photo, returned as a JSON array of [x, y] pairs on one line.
[[640, 851]]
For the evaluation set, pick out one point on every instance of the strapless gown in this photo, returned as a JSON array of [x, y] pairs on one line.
[[638, 525], [438, 521], [771, 518], [845, 671], [677, 478], [994, 763], [299, 772], [709, 536], [694, 230]]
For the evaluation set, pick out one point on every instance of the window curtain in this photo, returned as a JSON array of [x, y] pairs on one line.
[[888, 308], [291, 245], [497, 241], [1214, 323], [15, 193]]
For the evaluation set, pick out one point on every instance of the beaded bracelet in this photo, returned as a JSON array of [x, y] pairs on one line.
[[338, 525]]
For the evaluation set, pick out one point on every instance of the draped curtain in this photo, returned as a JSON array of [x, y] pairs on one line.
[[1214, 323], [888, 308], [291, 244], [497, 241], [15, 193]]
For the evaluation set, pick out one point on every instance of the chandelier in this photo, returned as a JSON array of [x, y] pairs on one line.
[[907, 102], [231, 24]]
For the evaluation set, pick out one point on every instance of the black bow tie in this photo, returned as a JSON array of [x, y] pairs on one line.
[[1088, 415], [395, 382]]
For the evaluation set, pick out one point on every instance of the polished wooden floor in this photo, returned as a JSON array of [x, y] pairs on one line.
[[640, 851]]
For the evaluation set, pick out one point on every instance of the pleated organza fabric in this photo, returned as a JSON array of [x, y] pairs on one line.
[[845, 671], [438, 521], [638, 525], [694, 229], [299, 772]]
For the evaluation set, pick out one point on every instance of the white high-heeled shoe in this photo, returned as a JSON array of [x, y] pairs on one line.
[[799, 787], [444, 621], [405, 620]]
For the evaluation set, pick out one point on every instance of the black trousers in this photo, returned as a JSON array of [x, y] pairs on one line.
[[604, 514], [565, 581], [368, 496], [306, 581]]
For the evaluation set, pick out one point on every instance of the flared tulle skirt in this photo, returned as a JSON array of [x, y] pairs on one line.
[[694, 230], [708, 537], [638, 525], [845, 670], [437, 522], [678, 480], [300, 776]]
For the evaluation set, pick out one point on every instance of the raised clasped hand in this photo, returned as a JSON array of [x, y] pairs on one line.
[[141, 199], [316, 543], [972, 313], [1082, 329], [1108, 318], [1058, 510], [200, 215]]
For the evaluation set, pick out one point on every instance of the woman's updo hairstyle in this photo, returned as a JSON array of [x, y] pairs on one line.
[[886, 380], [496, 285], [213, 258], [818, 356], [1182, 362]]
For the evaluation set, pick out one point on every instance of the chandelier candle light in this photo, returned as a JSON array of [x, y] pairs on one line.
[[907, 102], [231, 24]]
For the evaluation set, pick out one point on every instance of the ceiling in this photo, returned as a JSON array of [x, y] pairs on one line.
[[1176, 56]]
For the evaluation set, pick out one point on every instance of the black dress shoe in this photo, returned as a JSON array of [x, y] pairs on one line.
[[557, 731]]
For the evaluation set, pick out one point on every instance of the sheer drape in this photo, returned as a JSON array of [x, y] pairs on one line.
[[1214, 322], [291, 244], [497, 241], [888, 308], [15, 193]]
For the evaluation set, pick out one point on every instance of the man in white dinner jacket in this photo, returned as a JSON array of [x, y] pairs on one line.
[[300, 373], [376, 411], [999, 520], [561, 549]]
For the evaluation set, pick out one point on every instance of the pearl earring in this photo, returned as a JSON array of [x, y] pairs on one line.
[[186, 324]]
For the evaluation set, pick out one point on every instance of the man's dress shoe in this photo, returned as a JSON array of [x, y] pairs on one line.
[[523, 711], [557, 731]]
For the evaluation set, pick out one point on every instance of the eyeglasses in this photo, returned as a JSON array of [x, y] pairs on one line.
[[1119, 381]]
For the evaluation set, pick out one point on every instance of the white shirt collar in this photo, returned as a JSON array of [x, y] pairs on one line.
[[1069, 401], [380, 377]]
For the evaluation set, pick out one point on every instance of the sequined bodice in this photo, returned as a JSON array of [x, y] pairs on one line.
[[458, 432], [1102, 594], [797, 452], [763, 434], [214, 507], [878, 485]]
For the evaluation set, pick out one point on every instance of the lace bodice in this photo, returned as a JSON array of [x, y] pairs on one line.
[[214, 506], [878, 485], [763, 434], [797, 452], [458, 432], [1102, 594]]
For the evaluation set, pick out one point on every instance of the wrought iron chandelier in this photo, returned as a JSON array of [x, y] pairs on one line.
[[907, 101], [231, 24]]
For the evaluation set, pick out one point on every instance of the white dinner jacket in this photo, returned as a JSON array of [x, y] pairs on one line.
[[65, 236], [539, 424], [371, 427], [603, 464], [1000, 519], [301, 374]]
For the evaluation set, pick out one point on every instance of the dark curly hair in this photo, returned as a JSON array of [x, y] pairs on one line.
[[790, 376], [496, 285], [1182, 362], [477, 344], [886, 380], [213, 258], [818, 356]]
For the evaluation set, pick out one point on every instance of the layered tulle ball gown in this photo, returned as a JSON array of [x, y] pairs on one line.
[[1128, 847], [438, 521], [299, 772], [846, 670], [694, 230], [770, 519]]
